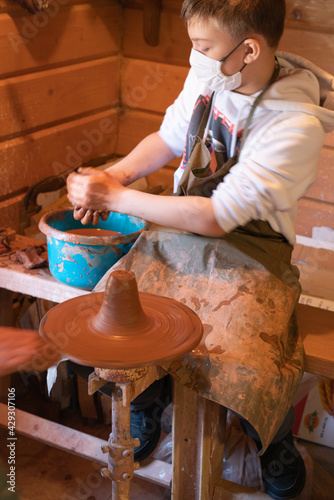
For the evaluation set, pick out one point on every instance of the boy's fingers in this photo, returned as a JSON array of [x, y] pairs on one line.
[[104, 215], [81, 213], [87, 217], [85, 171], [78, 212], [96, 218]]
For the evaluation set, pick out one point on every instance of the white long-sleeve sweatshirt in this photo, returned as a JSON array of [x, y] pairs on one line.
[[278, 162]]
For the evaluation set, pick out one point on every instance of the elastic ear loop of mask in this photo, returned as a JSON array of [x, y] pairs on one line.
[[205, 134], [235, 48]]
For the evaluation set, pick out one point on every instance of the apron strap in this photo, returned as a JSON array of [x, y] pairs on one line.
[[205, 117], [256, 103], [206, 114]]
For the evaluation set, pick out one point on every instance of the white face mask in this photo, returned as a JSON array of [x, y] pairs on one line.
[[209, 71]]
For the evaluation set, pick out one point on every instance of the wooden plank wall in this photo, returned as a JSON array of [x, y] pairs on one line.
[[59, 91], [152, 77]]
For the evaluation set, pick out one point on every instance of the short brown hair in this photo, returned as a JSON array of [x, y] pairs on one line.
[[240, 18]]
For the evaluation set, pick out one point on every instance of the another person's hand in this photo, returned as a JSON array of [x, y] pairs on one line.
[[93, 193], [24, 350]]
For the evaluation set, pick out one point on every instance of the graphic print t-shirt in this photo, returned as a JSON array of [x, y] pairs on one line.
[[218, 134]]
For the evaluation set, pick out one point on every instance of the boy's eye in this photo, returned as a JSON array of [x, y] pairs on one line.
[[201, 49]]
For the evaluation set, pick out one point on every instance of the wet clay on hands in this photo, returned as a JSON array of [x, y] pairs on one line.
[[95, 190], [122, 328]]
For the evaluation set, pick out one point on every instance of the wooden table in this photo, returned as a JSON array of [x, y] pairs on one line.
[[35, 282]]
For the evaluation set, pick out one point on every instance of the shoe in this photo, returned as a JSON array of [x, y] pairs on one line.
[[283, 470], [146, 424]]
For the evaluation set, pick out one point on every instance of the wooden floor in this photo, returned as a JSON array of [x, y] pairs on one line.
[[45, 473]]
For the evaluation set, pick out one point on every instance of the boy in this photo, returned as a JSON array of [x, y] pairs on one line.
[[263, 136]]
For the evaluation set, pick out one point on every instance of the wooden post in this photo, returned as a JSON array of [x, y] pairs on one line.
[[6, 307], [6, 319], [198, 444], [120, 436], [151, 26]]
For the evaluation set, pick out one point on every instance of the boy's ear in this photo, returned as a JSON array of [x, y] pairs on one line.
[[253, 50]]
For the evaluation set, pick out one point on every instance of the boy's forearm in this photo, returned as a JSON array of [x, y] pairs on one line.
[[188, 213], [151, 154], [98, 191]]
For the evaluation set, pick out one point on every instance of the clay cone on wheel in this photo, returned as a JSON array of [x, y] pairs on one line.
[[122, 328], [121, 310]]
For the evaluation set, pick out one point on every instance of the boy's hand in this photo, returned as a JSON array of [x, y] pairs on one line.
[[24, 350], [87, 216], [95, 192]]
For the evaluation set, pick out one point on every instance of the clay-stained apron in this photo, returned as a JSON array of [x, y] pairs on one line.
[[251, 357]]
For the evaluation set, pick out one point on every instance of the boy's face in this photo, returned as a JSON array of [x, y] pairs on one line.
[[211, 41]]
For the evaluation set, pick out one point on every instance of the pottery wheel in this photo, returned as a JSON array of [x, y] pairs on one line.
[[122, 328]]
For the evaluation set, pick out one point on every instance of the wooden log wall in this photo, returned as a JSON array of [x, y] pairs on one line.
[[81, 81], [59, 92], [152, 77]]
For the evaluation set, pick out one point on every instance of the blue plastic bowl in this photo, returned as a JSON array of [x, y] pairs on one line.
[[81, 261]]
